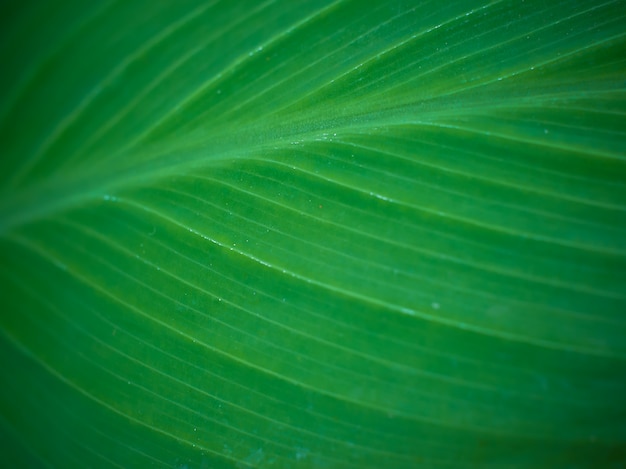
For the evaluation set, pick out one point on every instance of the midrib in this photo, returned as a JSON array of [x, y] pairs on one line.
[[69, 190]]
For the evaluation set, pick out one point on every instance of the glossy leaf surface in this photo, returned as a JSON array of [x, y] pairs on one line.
[[313, 234]]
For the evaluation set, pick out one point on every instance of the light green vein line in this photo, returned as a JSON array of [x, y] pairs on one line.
[[26, 82], [541, 101], [282, 139], [102, 403], [551, 104], [439, 188], [567, 314], [390, 365], [123, 379], [281, 326], [205, 292], [520, 72], [301, 170], [409, 345], [391, 119], [499, 181], [508, 113], [340, 397], [62, 126], [473, 222], [103, 129], [269, 397], [502, 44], [430, 110], [141, 313], [432, 254], [223, 401], [591, 151], [124, 179], [155, 82], [563, 126], [500, 161], [383, 52], [399, 308], [305, 70], [499, 45], [237, 62], [437, 255], [120, 248], [206, 394], [69, 410], [507, 161], [423, 59], [49, 205], [28, 353]]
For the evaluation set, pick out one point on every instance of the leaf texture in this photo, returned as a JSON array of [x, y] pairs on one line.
[[313, 234]]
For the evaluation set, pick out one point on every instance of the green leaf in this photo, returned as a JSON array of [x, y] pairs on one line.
[[313, 234]]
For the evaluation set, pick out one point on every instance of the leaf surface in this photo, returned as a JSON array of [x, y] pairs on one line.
[[313, 234]]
